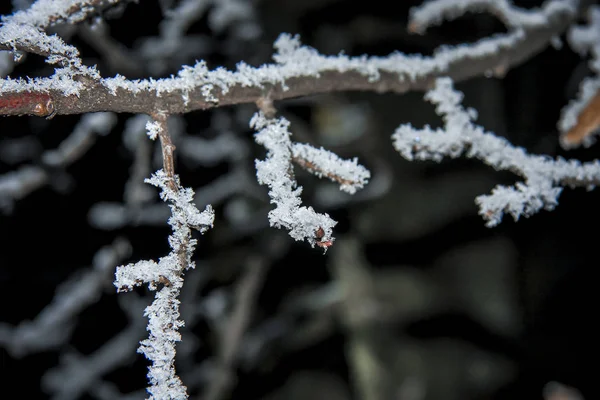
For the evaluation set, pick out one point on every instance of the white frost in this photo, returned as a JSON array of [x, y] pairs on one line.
[[274, 171], [544, 176], [323, 163], [163, 313]]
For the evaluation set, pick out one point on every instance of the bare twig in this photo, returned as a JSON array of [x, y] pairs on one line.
[[167, 146], [587, 123]]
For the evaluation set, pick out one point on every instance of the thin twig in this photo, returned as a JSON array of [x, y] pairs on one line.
[[588, 122], [311, 167], [166, 145]]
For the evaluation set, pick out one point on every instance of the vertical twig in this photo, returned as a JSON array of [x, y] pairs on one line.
[[166, 276], [167, 147]]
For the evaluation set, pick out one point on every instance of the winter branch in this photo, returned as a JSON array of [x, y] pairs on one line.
[[298, 70]]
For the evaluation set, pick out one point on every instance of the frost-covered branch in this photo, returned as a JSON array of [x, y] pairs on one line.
[[24, 32], [163, 313], [72, 87], [323, 163], [297, 71], [45, 13], [543, 175], [275, 171]]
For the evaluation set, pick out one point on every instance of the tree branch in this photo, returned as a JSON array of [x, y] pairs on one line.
[[197, 88], [543, 175]]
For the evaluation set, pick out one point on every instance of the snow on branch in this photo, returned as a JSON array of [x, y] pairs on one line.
[[45, 13], [163, 313], [24, 37], [543, 175], [181, 202], [294, 61], [298, 70], [23, 32], [348, 173], [275, 171], [166, 275], [434, 12]]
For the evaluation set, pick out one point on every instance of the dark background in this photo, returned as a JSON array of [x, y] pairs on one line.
[[419, 224]]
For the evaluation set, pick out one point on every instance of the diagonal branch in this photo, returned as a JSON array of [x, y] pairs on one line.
[[297, 71], [350, 175]]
